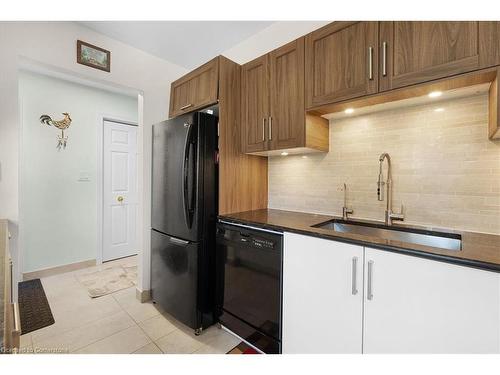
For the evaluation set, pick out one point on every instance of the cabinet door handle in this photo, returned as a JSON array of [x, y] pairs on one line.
[[263, 129], [369, 286], [384, 59], [17, 318], [370, 63], [354, 286], [186, 106], [270, 127]]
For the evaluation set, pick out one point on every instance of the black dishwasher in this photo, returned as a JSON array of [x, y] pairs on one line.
[[249, 280]]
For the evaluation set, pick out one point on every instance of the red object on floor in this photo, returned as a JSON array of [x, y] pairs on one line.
[[250, 351]]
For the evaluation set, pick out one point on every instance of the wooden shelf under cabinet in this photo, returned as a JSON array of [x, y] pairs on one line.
[[489, 75]]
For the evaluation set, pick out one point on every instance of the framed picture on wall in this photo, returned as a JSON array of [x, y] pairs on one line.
[[93, 56]]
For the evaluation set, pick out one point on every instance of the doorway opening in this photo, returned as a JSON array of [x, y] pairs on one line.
[[61, 187]]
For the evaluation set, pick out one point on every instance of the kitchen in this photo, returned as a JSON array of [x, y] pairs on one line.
[[411, 182], [320, 187]]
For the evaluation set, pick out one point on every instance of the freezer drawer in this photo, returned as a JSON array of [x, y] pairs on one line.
[[174, 277]]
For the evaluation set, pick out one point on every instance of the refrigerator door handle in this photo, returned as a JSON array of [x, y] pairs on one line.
[[185, 176], [189, 169]]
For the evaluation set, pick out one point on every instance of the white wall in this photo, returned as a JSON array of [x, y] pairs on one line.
[[273, 36], [54, 45], [58, 188]]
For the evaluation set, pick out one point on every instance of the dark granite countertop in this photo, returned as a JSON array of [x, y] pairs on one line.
[[479, 250]]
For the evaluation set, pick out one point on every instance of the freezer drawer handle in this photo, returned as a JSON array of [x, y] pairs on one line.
[[178, 241]]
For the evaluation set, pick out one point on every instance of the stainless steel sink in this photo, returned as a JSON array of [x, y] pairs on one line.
[[446, 241]]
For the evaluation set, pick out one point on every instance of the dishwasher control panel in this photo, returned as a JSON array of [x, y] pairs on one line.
[[263, 243]]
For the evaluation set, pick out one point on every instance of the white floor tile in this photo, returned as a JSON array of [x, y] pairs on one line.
[[71, 315], [216, 341], [178, 342], [80, 337], [150, 348], [123, 342], [157, 327], [137, 310]]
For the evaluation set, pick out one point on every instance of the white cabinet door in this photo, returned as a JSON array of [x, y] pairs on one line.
[[424, 306], [322, 297]]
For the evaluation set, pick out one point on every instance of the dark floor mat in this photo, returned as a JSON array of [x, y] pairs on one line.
[[33, 306]]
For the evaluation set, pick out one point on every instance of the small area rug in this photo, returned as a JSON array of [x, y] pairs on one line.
[[108, 280], [243, 348]]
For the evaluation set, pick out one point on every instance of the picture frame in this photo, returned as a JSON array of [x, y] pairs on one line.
[[93, 56]]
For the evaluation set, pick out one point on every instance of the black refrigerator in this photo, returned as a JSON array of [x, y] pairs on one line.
[[184, 214]]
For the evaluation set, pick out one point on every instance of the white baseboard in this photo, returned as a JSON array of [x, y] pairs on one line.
[[58, 270]]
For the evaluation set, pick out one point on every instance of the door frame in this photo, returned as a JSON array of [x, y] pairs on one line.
[[100, 180]]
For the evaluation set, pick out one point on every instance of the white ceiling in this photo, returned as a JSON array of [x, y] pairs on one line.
[[185, 43]]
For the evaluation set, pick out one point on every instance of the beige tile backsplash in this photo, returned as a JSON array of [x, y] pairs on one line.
[[445, 170]]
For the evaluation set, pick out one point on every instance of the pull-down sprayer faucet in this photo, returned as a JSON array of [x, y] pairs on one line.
[[389, 215]]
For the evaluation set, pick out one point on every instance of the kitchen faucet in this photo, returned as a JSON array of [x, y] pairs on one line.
[[389, 215], [346, 211]]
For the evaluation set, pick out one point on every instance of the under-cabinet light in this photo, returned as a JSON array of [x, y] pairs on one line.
[[435, 94]]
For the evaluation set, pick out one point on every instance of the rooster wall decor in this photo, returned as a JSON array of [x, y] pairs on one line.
[[61, 124]]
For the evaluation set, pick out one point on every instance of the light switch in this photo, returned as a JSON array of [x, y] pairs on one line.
[[83, 177]]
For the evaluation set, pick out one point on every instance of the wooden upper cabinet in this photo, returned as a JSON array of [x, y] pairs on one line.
[[255, 104], [489, 44], [273, 109], [287, 119], [196, 89], [341, 62], [415, 52]]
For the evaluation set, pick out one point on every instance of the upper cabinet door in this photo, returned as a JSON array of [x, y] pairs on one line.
[[180, 98], [489, 45], [255, 104], [415, 52], [341, 62], [196, 89], [286, 125]]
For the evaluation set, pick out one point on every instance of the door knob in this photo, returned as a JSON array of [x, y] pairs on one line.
[[119, 199]]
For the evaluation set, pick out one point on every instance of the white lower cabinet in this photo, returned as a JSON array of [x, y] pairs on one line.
[[424, 306], [322, 296], [403, 304]]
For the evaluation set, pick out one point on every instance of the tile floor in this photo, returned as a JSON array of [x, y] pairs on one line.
[[116, 323]]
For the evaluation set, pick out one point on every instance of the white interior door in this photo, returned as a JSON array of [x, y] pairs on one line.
[[119, 190], [322, 296]]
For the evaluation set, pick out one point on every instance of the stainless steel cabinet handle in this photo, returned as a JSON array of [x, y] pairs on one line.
[[384, 59], [354, 287], [370, 63], [270, 127], [263, 129], [17, 318], [11, 270], [186, 106], [369, 286]]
